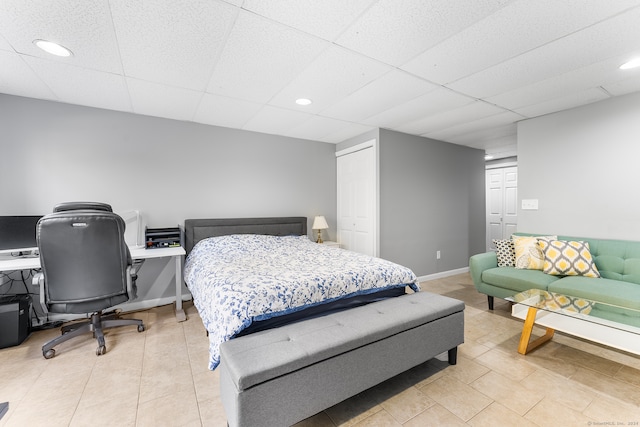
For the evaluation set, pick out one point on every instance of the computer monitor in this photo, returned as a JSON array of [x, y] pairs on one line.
[[18, 233]]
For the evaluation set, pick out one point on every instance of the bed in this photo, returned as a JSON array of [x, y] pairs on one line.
[[251, 274]]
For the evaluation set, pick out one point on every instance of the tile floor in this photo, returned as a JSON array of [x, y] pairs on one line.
[[160, 378]]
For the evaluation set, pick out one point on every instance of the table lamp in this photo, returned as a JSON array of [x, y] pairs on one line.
[[319, 223]]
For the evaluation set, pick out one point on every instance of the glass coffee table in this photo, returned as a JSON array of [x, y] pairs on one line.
[[575, 316]]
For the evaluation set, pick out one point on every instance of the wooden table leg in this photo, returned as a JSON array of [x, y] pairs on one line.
[[525, 346]]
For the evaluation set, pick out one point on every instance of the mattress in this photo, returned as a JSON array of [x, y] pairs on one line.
[[240, 279]]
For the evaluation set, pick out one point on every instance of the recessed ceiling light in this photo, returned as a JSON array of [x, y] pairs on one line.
[[631, 64], [52, 48], [303, 101]]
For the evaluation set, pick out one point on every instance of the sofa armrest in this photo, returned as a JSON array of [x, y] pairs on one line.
[[481, 262]]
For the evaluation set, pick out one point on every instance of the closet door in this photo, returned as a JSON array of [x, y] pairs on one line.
[[502, 203], [357, 201]]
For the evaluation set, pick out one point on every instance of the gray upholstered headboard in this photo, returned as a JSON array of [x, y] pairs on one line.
[[198, 229]]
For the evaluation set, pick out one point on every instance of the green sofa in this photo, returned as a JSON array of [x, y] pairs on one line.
[[618, 262]]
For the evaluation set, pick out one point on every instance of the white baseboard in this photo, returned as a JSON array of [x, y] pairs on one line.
[[442, 274]]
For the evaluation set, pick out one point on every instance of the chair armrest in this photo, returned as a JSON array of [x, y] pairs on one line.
[[132, 276], [135, 266], [132, 290], [481, 262], [38, 280]]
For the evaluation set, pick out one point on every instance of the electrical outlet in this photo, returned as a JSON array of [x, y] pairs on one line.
[[437, 254]]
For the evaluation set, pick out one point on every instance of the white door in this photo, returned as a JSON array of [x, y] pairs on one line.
[[502, 203], [510, 212], [357, 200]]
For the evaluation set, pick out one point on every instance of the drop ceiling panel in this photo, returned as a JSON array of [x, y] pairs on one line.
[[562, 103], [4, 45], [470, 112], [334, 75], [609, 38], [17, 78], [429, 104], [351, 131], [515, 29], [276, 120], [82, 26], [454, 70], [392, 89], [154, 99], [260, 58], [473, 126], [624, 87], [82, 86], [487, 136], [317, 128], [395, 33], [565, 85], [223, 111], [171, 42], [325, 19]]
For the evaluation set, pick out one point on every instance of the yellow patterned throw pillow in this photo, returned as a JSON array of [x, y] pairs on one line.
[[568, 258], [528, 254]]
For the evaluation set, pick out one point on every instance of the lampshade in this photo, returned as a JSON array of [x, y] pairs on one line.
[[319, 223]]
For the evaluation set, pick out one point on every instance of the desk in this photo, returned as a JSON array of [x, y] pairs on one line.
[[29, 263]]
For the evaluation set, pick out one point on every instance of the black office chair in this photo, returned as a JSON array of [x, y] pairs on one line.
[[86, 268]]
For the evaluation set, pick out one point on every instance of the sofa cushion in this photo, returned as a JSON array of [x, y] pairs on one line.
[[617, 314], [615, 259], [505, 252], [517, 279], [568, 258], [528, 254], [608, 291]]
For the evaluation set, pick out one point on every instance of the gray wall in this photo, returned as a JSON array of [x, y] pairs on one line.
[[169, 170], [431, 198], [431, 192], [582, 166]]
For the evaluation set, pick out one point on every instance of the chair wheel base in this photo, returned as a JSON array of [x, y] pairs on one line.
[[96, 327]]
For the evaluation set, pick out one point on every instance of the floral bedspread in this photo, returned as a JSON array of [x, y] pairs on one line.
[[242, 278]]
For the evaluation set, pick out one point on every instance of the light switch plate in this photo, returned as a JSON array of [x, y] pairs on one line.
[[530, 204]]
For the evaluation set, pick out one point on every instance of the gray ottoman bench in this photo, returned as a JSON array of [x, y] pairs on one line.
[[281, 376]]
